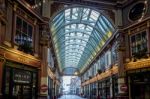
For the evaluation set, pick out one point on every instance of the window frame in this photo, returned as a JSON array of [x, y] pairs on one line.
[[139, 32], [28, 23]]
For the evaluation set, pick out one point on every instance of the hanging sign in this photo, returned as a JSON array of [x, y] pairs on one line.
[[44, 88], [123, 87]]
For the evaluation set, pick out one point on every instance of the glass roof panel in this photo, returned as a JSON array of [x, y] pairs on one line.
[[78, 34]]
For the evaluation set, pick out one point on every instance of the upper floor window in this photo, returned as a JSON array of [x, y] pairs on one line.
[[107, 59], [114, 55], [139, 47], [24, 32], [102, 63], [50, 59]]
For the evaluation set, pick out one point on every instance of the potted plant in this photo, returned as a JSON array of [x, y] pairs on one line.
[[90, 77], [26, 47], [99, 71]]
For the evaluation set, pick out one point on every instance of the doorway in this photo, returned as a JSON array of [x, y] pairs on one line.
[[141, 91], [19, 83], [21, 91]]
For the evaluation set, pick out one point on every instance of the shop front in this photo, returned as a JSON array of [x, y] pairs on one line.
[[19, 81], [93, 90], [104, 89], [108, 88], [139, 82], [20, 73]]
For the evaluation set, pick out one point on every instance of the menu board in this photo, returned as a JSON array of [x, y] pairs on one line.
[[21, 76]]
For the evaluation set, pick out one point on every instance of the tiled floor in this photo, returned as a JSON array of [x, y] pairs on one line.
[[71, 97]]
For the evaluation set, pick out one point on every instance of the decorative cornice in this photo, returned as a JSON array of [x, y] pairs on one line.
[[52, 76], [107, 73], [142, 63], [25, 5], [100, 52], [14, 51], [18, 56]]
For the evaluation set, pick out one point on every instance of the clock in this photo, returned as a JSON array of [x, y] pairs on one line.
[[137, 11]]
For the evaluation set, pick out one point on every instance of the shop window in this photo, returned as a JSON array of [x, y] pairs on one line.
[[23, 36], [139, 45], [7, 80]]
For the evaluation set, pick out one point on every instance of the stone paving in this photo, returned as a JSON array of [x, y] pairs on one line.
[[70, 97]]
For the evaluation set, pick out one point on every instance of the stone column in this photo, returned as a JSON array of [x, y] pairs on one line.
[[46, 10], [121, 66], [44, 76]]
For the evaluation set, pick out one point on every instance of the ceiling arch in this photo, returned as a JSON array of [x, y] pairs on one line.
[[78, 33], [70, 71]]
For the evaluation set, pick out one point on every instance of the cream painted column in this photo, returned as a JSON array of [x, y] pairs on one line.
[[44, 75], [118, 17], [120, 51], [122, 83], [121, 70], [46, 10]]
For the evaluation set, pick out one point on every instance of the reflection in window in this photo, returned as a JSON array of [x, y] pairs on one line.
[[114, 55], [23, 32], [139, 45]]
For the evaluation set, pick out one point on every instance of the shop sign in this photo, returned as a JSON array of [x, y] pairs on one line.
[[44, 88], [14, 55], [21, 76], [123, 87]]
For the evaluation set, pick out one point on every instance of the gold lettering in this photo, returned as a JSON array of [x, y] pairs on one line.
[[23, 60]]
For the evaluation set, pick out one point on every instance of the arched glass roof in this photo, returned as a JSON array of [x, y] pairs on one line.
[[78, 34]]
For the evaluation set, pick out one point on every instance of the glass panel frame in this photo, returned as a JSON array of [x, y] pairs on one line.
[[81, 32]]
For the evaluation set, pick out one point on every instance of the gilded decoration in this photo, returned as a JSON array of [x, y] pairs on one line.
[[142, 63], [107, 73]]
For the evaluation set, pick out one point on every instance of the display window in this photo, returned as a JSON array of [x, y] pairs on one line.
[[20, 83], [139, 45]]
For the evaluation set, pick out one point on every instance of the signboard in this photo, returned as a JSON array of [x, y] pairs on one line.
[[21, 76], [16, 56], [123, 87], [44, 88]]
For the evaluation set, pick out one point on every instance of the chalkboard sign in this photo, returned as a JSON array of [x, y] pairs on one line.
[[21, 76]]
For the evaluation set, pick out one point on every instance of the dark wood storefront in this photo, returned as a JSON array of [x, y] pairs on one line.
[[105, 85], [20, 74], [139, 82], [19, 81]]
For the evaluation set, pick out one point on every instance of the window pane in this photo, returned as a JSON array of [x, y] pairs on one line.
[[18, 24], [24, 28], [30, 31]]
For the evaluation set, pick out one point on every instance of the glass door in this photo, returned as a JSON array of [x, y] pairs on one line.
[[21, 91]]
